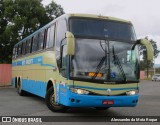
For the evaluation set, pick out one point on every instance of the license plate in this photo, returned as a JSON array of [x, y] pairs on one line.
[[107, 102]]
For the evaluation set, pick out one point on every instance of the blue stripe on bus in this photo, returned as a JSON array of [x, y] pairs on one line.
[[113, 89], [34, 87], [36, 60], [48, 65]]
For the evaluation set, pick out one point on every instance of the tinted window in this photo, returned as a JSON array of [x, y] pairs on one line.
[[19, 49], [16, 52], [41, 40], [157, 75], [28, 46], [63, 71], [23, 48], [13, 55], [61, 30], [45, 39], [35, 43], [102, 29], [50, 37]]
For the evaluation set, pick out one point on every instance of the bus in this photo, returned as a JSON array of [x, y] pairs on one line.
[[80, 60]]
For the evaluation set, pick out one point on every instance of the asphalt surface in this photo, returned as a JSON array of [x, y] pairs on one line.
[[11, 104]]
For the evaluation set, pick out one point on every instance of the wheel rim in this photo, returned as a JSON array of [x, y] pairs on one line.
[[52, 99], [53, 103]]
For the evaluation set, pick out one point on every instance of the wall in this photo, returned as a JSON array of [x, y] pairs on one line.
[[142, 75]]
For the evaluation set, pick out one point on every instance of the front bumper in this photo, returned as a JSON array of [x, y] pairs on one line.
[[76, 100]]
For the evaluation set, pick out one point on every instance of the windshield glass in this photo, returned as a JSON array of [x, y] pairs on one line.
[[104, 60], [157, 75], [102, 29]]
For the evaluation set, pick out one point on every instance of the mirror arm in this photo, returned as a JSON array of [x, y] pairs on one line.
[[62, 41], [133, 46], [137, 42], [148, 46]]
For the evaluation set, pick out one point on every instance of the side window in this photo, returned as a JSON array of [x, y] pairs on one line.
[[23, 48], [28, 46], [50, 37], [47, 40], [19, 49], [51, 43], [60, 34], [35, 43], [13, 54], [64, 56], [63, 66], [41, 40], [16, 52]]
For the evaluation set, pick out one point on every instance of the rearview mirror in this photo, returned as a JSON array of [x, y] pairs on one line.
[[149, 48], [70, 43]]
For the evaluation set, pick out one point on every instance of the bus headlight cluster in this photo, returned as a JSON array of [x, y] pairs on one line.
[[79, 91], [133, 92]]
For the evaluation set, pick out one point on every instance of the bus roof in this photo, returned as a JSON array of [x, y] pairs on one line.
[[98, 17], [74, 15]]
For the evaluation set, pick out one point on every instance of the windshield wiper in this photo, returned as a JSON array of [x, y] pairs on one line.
[[117, 62], [99, 66], [103, 60]]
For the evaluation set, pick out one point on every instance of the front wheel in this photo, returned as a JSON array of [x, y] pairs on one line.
[[51, 104]]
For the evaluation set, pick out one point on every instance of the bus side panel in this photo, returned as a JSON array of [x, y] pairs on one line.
[[35, 71], [35, 87], [34, 80], [52, 72]]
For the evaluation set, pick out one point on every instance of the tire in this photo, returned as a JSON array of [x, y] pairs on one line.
[[101, 108], [49, 99], [19, 89]]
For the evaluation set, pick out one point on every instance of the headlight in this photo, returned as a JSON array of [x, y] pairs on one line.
[[79, 91], [132, 92]]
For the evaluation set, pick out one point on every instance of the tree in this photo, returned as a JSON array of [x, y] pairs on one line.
[[145, 64], [53, 10], [3, 41], [26, 16], [20, 18]]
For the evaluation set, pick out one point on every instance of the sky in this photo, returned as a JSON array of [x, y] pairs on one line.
[[144, 14]]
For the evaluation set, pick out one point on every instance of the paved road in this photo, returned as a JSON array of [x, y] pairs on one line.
[[13, 104]]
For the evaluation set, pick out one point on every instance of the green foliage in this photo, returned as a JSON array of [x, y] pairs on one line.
[[25, 16], [50, 9], [19, 18], [3, 32]]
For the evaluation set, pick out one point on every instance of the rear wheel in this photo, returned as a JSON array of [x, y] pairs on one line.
[[19, 89], [51, 104]]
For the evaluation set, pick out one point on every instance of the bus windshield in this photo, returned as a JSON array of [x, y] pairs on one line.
[[104, 50], [96, 28], [94, 61]]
